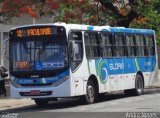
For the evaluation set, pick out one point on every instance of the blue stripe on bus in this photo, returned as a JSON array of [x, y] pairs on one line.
[[129, 30], [124, 66], [50, 80], [121, 29]]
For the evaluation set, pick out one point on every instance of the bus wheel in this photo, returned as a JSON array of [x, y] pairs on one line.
[[41, 102], [139, 85], [90, 96]]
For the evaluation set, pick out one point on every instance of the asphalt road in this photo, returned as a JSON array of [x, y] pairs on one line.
[[112, 105]]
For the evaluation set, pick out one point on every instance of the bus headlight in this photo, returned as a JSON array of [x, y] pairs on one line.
[[14, 82]]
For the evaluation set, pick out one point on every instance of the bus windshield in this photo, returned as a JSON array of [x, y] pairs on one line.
[[39, 55]]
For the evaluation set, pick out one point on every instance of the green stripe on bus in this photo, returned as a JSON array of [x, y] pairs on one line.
[[137, 64]]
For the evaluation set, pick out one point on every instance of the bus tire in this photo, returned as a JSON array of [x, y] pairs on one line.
[[139, 85], [90, 96], [41, 102]]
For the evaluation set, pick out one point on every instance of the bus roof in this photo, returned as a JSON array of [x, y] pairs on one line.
[[93, 28]]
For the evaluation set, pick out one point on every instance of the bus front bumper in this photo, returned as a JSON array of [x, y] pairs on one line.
[[41, 91]]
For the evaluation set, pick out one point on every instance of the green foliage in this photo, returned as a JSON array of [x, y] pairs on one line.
[[151, 14]]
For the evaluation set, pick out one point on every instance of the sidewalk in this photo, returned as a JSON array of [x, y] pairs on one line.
[[7, 103]]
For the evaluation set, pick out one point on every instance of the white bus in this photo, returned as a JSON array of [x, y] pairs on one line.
[[49, 61]]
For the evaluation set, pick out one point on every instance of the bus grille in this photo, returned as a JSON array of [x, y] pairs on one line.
[[36, 84], [44, 93]]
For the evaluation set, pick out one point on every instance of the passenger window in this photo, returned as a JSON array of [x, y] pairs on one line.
[[106, 51], [140, 45], [91, 44], [149, 40], [105, 39], [150, 48], [106, 47], [139, 40], [119, 45], [119, 39], [130, 45]]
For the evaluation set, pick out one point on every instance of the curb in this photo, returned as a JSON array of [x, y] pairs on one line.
[[152, 87]]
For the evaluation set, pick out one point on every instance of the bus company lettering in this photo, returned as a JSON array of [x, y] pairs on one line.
[[116, 66], [147, 63], [57, 64]]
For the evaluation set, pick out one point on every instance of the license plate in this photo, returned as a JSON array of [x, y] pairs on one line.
[[35, 92]]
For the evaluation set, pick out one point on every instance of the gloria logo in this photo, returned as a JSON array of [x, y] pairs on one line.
[[102, 72]]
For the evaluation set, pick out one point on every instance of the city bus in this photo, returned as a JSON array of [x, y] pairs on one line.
[[59, 60]]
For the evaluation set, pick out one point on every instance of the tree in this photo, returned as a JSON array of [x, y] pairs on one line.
[[126, 13], [136, 13]]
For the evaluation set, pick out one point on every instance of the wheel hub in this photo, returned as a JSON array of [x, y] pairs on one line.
[[90, 92]]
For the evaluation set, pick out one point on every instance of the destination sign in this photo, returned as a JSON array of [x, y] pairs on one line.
[[34, 32], [22, 65]]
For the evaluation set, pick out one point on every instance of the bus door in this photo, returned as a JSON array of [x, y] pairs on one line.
[[76, 64]]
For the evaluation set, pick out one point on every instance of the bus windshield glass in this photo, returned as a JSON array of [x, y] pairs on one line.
[[39, 55]]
